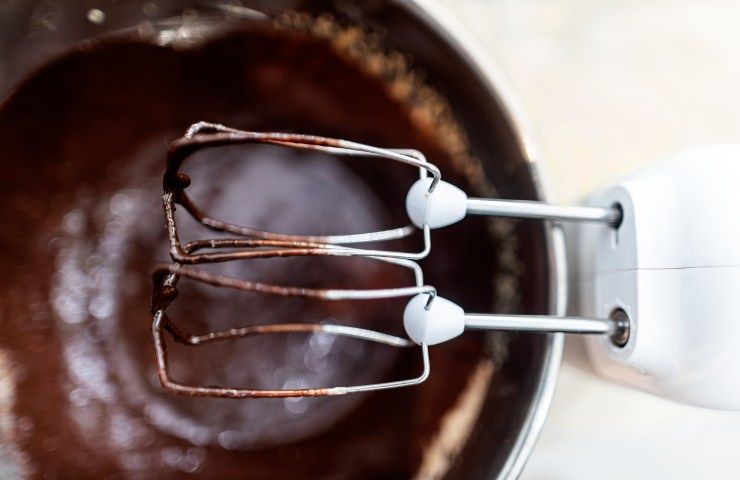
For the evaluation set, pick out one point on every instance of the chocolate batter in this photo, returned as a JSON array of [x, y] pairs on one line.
[[84, 141]]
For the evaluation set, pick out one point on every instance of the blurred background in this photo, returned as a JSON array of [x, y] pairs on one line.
[[610, 86]]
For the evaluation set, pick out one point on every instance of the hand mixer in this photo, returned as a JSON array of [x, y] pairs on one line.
[[654, 258]]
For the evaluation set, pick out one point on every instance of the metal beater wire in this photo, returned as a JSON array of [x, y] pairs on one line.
[[166, 277], [203, 135]]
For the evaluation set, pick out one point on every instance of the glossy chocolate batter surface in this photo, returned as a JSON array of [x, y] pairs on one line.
[[84, 141]]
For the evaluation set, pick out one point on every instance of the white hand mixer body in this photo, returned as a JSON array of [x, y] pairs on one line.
[[655, 269]]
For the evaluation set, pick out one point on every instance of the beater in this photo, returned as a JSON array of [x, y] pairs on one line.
[[165, 281], [202, 135], [430, 319]]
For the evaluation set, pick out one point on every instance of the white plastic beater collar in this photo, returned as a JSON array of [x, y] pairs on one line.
[[445, 205], [432, 322]]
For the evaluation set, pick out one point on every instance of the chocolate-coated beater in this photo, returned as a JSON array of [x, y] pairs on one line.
[[166, 278], [204, 135], [428, 319]]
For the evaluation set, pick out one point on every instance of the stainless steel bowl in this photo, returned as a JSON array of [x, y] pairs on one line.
[[519, 396]]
